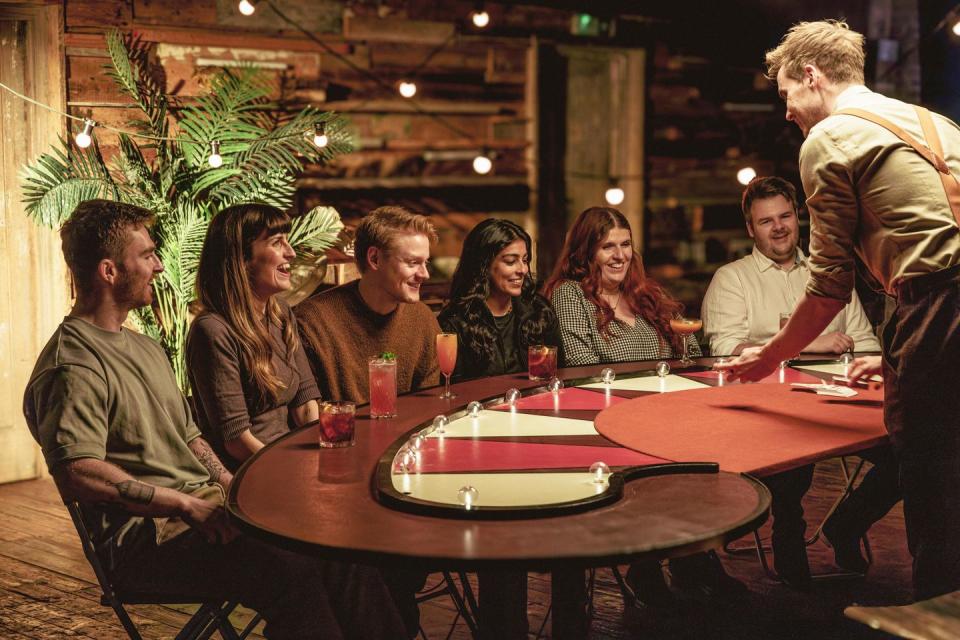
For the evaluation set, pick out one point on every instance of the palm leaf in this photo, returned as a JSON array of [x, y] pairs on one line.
[[315, 231], [61, 179], [180, 248], [130, 68]]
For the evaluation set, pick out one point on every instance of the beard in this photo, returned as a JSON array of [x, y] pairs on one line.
[[132, 291]]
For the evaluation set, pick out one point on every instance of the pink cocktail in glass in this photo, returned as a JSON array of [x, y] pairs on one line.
[[447, 356], [383, 387], [685, 327]]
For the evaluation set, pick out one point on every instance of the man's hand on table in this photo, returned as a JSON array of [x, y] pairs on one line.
[[863, 369], [753, 364], [833, 342]]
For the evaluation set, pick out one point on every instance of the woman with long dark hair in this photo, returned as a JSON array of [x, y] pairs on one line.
[[609, 310], [494, 308], [248, 372]]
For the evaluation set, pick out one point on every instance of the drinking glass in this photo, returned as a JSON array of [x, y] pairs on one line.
[[541, 362], [784, 319], [685, 327], [447, 355], [337, 424], [383, 387]]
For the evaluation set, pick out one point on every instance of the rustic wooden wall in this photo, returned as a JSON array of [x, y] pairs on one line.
[[34, 294], [472, 94]]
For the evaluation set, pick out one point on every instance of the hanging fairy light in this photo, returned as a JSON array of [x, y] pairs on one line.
[[215, 159], [320, 135], [247, 7], [407, 88], [614, 195], [480, 17], [482, 164], [85, 137], [956, 27], [745, 175]]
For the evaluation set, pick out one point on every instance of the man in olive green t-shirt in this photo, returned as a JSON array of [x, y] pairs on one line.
[[118, 438]]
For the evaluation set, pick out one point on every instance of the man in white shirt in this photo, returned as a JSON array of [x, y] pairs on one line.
[[746, 298], [742, 308]]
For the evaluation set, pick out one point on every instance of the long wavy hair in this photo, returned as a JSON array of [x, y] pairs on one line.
[[223, 287], [645, 297], [471, 288]]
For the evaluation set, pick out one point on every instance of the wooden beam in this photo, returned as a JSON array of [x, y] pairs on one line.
[[417, 182], [396, 30], [224, 37]]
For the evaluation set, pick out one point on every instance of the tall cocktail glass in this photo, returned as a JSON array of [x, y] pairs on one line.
[[447, 355], [685, 327], [383, 387]]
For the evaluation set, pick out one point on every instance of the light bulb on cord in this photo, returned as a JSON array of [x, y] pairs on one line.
[[745, 175], [85, 137], [215, 160], [480, 18], [247, 7], [614, 195], [956, 28], [407, 89], [320, 136], [482, 164]]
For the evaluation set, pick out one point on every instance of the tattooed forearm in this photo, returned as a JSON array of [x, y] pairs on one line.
[[207, 458], [134, 491]]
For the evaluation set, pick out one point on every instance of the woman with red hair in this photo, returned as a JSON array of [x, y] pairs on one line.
[[608, 309]]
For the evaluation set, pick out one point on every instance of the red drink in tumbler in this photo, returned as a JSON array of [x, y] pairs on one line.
[[541, 362], [383, 387], [337, 424]]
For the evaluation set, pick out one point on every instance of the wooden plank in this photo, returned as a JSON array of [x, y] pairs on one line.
[[396, 30]]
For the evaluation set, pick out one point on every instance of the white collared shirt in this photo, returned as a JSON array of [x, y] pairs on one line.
[[746, 297]]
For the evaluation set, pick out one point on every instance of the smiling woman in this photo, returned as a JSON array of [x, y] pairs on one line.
[[609, 310], [494, 308], [246, 366]]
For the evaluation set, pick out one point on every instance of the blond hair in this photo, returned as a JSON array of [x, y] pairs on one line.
[[382, 225], [830, 45]]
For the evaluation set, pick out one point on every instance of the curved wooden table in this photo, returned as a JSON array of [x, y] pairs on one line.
[[321, 501]]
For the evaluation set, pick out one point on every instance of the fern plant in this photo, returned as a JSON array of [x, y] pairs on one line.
[[169, 174]]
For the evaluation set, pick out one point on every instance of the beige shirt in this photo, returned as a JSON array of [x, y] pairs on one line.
[[869, 192], [745, 299]]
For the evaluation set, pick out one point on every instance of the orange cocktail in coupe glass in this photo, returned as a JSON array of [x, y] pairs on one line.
[[383, 386], [685, 327], [447, 355]]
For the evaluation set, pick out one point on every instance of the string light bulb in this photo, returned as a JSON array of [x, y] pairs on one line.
[[247, 7], [407, 88], [482, 164], [480, 18], [85, 137], [956, 28], [745, 175], [614, 195], [215, 160], [320, 135]]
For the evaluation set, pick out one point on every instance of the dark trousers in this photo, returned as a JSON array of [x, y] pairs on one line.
[[921, 347], [876, 494], [788, 538], [299, 596]]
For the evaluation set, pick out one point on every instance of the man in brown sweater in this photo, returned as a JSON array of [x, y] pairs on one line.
[[341, 329]]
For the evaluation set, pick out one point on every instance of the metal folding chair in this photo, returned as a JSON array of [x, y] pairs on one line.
[[465, 602], [209, 618]]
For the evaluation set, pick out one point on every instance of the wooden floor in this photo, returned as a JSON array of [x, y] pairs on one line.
[[47, 589]]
